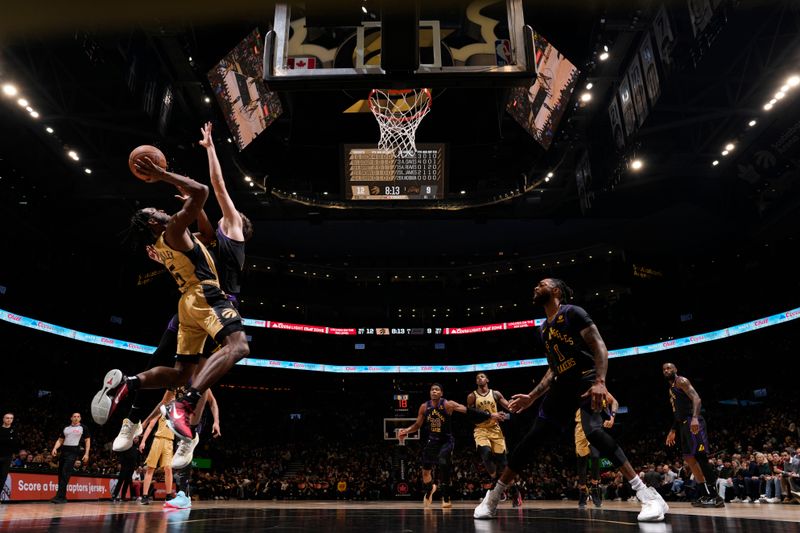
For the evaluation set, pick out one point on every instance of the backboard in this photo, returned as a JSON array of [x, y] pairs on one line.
[[364, 44], [391, 425]]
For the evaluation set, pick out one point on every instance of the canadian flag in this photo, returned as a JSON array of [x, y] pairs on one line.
[[301, 63]]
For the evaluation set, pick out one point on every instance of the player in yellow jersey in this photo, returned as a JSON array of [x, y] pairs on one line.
[[584, 450], [161, 450], [203, 309], [489, 438]]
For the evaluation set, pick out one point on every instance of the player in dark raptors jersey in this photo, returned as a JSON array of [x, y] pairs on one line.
[[203, 309], [435, 417], [577, 361], [690, 426]]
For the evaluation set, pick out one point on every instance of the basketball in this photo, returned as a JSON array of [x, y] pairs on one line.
[[145, 150]]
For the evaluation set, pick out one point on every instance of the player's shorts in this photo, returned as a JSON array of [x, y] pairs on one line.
[[437, 452], [204, 310], [582, 448], [693, 443], [160, 453], [492, 437]]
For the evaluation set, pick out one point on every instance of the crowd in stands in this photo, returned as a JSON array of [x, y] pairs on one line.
[[755, 450]]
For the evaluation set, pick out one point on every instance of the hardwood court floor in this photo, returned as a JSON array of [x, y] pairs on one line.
[[399, 517]]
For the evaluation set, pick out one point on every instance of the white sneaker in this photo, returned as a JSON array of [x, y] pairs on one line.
[[487, 509], [105, 401], [183, 456], [747, 500], [127, 433], [653, 505], [736, 500], [773, 500]]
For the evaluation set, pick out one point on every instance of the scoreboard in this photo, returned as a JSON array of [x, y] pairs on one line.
[[373, 174]]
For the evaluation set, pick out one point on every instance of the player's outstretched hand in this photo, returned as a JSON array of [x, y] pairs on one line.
[[519, 402], [498, 417], [206, 141]]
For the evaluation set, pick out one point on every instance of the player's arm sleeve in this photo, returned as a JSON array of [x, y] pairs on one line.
[[579, 318]]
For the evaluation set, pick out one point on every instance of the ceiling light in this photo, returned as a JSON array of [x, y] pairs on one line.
[[87, 170], [325, 193], [463, 192], [793, 81], [230, 140], [252, 184], [779, 95], [546, 180], [637, 164], [714, 163], [364, 9], [724, 152], [207, 100], [585, 97], [729, 146], [785, 88], [29, 109], [48, 129], [549, 174], [773, 101], [767, 107], [73, 155], [248, 178], [35, 114], [190, 59], [22, 102], [752, 123], [589, 86], [9, 90], [603, 56]]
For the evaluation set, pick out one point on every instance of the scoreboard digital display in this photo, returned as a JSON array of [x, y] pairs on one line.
[[373, 174]]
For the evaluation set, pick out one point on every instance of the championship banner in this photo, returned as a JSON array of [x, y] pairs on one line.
[[628, 113], [583, 179], [616, 122], [637, 90], [700, 14], [22, 486], [648, 61], [665, 39]]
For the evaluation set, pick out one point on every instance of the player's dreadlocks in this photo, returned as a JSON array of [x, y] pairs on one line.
[[566, 292], [139, 234]]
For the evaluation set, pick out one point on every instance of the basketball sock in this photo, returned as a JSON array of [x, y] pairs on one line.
[[637, 484], [499, 488]]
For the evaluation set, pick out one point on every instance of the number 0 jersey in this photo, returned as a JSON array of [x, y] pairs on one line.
[[188, 268], [487, 404]]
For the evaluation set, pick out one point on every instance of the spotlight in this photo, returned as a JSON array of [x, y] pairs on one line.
[[729, 146], [35, 114], [549, 174], [585, 97], [546, 180], [605, 48], [752, 123], [773, 101], [73, 155], [87, 170], [252, 184], [714, 163], [207, 100], [779, 95], [589, 86], [22, 102], [9, 90], [793, 81], [637, 164], [463, 192], [29, 109], [724, 152], [603, 56], [767, 107], [48, 129], [785, 88], [364, 9], [248, 178]]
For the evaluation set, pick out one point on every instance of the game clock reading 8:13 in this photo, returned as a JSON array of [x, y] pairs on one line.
[[372, 174]]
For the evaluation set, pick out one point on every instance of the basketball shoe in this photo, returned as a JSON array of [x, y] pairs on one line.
[[183, 456], [180, 501], [127, 433], [178, 413], [113, 391]]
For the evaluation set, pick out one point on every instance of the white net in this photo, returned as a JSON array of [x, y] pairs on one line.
[[399, 112]]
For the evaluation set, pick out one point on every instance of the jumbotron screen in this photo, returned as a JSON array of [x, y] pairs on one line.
[[373, 174]]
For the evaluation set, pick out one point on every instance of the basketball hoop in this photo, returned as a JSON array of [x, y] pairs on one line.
[[399, 112], [401, 439]]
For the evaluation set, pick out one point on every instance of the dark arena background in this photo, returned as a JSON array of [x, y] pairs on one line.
[[644, 152]]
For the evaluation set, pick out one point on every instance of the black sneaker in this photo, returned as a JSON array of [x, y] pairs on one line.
[[58, 500], [145, 500], [597, 498], [711, 502], [582, 499]]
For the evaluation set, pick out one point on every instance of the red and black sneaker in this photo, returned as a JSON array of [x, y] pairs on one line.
[[113, 391], [178, 413]]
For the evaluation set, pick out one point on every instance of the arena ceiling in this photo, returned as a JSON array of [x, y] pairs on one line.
[[75, 68]]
